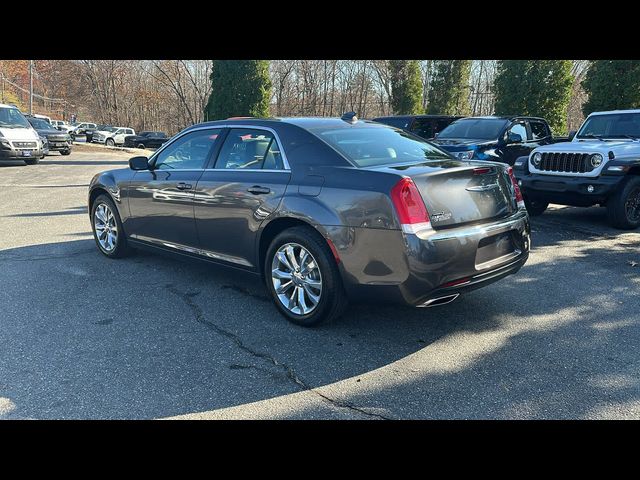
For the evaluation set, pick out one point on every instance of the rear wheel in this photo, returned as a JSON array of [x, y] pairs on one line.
[[623, 209], [107, 228], [303, 278], [535, 207], [65, 152], [110, 142]]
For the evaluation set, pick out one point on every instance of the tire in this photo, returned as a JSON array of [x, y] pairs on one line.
[[535, 207], [32, 161], [65, 152], [332, 298], [110, 142], [620, 207], [141, 145], [120, 245]]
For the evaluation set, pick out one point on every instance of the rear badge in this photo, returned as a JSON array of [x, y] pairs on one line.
[[482, 188], [440, 216]]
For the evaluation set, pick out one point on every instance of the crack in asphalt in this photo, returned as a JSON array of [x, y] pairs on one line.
[[187, 298]]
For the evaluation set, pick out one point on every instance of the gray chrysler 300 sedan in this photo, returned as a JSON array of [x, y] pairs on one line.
[[325, 209]]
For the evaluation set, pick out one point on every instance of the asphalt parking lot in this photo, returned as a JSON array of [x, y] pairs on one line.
[[82, 336]]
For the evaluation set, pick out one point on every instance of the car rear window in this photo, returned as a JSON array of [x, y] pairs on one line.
[[371, 146], [474, 128]]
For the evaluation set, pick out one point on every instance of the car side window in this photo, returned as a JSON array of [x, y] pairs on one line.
[[538, 130], [248, 148], [520, 129], [129, 131], [423, 127], [118, 132], [190, 152]]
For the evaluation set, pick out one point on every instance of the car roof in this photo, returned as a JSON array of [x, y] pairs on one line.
[[421, 115], [303, 122], [615, 112], [505, 117]]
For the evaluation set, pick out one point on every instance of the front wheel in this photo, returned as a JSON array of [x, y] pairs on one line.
[[303, 278], [535, 207], [623, 209], [107, 228], [110, 142], [65, 152]]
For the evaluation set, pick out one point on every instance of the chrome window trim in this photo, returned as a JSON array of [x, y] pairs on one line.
[[287, 166]]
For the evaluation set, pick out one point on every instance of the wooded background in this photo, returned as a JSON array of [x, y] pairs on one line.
[[170, 95]]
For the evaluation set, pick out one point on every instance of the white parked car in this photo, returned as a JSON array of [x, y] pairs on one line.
[[18, 139], [112, 136], [61, 125], [81, 128]]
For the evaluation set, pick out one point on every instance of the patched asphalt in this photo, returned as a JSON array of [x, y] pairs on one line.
[[82, 336]]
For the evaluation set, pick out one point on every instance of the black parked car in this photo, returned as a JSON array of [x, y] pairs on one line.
[[425, 126], [146, 140], [57, 141], [324, 209], [499, 139]]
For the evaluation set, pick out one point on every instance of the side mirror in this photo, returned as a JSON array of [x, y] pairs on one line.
[[572, 134], [139, 163], [514, 137]]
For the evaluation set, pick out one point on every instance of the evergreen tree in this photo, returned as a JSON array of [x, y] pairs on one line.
[[612, 85], [406, 87], [239, 88], [540, 88], [449, 90]]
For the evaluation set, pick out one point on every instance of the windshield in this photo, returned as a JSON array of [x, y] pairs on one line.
[[614, 125], [12, 118], [40, 124], [370, 146], [480, 128], [109, 129]]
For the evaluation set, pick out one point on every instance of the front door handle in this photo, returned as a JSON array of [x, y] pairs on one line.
[[184, 186], [258, 190]]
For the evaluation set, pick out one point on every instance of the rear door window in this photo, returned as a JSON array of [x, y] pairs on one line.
[[539, 130]]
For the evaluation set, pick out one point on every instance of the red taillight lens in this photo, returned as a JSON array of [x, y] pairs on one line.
[[410, 207], [516, 188]]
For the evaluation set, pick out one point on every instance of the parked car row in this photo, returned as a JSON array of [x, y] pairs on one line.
[[598, 165]]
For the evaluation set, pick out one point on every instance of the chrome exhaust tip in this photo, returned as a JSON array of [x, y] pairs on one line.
[[434, 302]]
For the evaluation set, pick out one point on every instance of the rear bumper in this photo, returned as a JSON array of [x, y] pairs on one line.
[[565, 190], [413, 269]]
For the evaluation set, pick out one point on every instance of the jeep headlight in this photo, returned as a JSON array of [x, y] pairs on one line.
[[536, 159], [596, 160], [468, 155]]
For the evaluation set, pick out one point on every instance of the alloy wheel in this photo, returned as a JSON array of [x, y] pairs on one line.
[[296, 278], [106, 227]]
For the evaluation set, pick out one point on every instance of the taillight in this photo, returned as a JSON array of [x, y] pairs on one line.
[[516, 188], [410, 207]]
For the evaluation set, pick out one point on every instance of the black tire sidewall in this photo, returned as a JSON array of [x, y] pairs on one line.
[[616, 207], [331, 281], [535, 207], [121, 246]]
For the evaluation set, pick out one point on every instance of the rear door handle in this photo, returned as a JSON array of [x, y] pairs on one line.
[[258, 190], [184, 186]]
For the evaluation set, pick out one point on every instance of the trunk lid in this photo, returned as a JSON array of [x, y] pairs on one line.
[[459, 192]]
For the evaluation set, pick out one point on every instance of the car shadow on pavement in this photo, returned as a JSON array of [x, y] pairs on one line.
[[83, 336], [82, 210]]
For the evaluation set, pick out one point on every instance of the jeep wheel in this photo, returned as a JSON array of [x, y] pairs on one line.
[[535, 207], [110, 142], [623, 208]]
